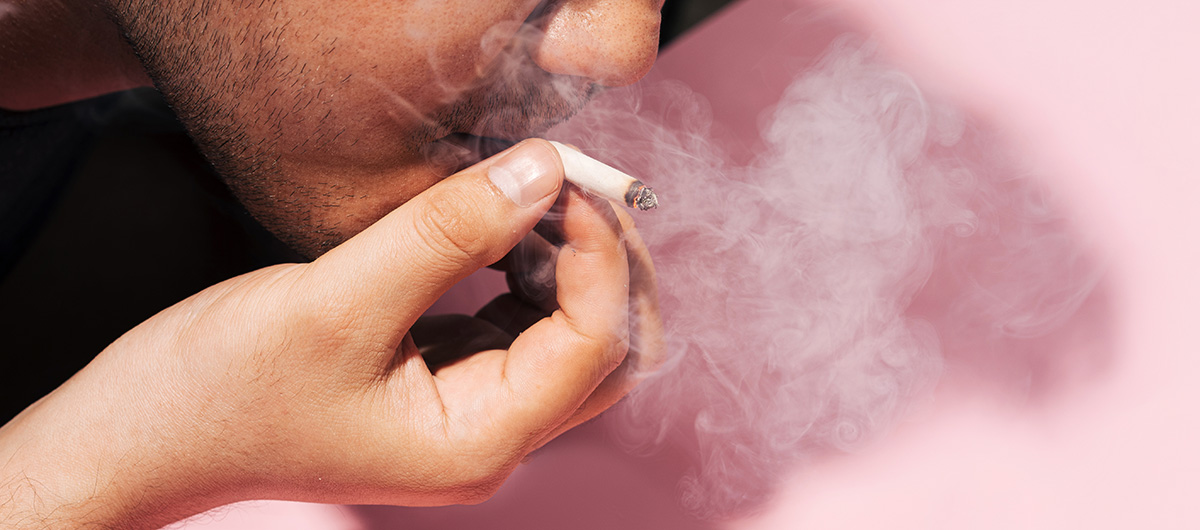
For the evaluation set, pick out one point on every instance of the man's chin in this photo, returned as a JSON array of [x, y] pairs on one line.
[[315, 219]]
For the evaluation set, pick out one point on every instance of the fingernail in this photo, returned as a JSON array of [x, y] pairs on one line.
[[526, 174]]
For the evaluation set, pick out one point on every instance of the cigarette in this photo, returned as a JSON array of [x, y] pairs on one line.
[[601, 179]]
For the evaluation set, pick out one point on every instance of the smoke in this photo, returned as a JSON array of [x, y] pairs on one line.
[[813, 295], [490, 88], [788, 284]]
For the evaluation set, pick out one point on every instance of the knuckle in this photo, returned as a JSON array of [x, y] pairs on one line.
[[615, 354], [475, 476], [444, 229], [611, 345], [479, 492]]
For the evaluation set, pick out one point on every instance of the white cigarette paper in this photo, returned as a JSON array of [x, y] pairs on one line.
[[603, 180]]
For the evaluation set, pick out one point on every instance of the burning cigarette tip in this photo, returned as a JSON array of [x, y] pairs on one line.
[[604, 180], [641, 196]]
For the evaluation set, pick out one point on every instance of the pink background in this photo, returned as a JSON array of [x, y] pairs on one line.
[[1104, 97], [1105, 94]]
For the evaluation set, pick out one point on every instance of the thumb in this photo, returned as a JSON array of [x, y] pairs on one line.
[[389, 274]]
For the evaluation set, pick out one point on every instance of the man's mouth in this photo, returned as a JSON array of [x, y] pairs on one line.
[[458, 151]]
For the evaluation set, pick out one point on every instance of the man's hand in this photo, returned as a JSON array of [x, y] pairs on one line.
[[303, 382]]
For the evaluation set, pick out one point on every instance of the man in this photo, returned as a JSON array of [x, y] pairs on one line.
[[360, 133]]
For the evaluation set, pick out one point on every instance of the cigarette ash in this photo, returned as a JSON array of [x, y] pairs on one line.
[[787, 284], [641, 196]]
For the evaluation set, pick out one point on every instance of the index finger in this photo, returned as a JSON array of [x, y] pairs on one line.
[[646, 348], [556, 364]]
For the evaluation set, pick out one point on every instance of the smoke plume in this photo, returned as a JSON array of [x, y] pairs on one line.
[[788, 284]]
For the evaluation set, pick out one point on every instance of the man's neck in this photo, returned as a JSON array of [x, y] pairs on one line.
[[57, 51]]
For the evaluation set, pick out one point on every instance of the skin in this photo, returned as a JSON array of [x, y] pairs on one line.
[[303, 381]]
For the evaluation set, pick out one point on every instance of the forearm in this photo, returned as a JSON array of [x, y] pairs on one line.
[[77, 460]]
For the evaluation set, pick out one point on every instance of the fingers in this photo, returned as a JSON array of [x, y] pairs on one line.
[[557, 363], [389, 274], [646, 346]]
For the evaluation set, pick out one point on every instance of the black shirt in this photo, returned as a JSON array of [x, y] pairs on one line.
[[108, 214]]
